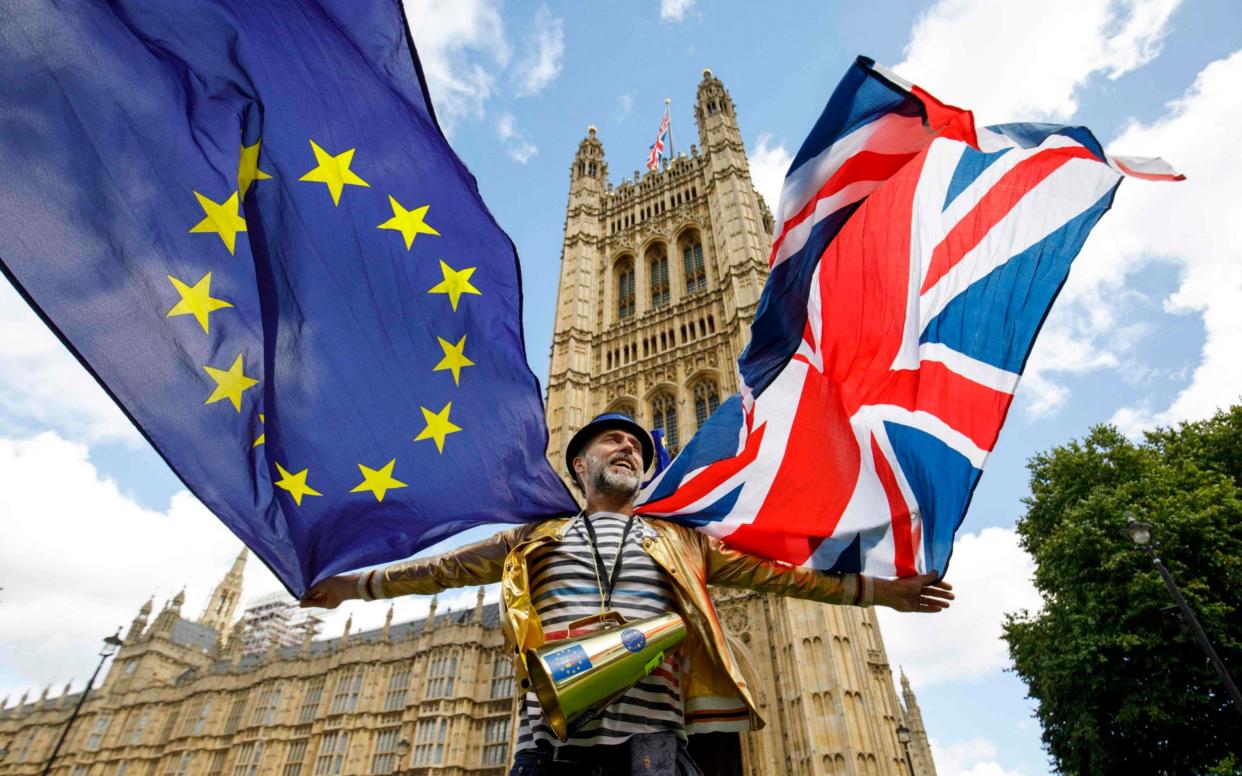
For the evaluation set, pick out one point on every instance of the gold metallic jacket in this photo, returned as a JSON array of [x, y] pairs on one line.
[[692, 560]]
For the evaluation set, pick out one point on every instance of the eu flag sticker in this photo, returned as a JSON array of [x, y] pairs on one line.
[[633, 639], [567, 662]]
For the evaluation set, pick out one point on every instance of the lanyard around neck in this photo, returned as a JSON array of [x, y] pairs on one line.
[[605, 594]]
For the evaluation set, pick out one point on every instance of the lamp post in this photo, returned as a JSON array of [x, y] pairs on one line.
[[403, 749], [110, 646], [903, 735], [1140, 533]]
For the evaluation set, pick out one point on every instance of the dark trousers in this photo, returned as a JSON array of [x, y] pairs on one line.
[[649, 754]]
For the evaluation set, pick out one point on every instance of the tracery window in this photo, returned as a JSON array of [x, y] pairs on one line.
[[706, 401], [664, 417], [658, 264], [625, 289], [692, 264]]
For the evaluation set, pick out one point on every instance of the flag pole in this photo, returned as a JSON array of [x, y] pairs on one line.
[[671, 155]]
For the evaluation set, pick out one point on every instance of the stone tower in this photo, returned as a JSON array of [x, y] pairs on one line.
[[660, 278], [218, 613], [920, 749]]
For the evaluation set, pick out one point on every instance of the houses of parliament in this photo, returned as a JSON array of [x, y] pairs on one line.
[[660, 277]]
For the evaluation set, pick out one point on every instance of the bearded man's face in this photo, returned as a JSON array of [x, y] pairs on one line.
[[614, 464]]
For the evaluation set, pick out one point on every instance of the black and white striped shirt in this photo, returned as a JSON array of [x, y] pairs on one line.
[[564, 588]]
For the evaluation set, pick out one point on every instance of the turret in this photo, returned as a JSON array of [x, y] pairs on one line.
[[742, 250], [478, 607], [920, 749], [140, 622], [218, 613]]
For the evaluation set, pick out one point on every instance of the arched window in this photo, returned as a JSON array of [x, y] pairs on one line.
[[657, 261], [625, 288], [625, 408], [706, 401], [692, 264], [664, 417]]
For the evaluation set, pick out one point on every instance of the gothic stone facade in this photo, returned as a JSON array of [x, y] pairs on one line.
[[660, 278], [173, 703]]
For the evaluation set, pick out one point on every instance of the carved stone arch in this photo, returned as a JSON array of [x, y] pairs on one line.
[[663, 386], [627, 405]]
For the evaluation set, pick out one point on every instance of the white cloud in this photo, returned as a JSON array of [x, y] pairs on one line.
[[542, 63], [991, 576], [971, 757], [43, 386], [625, 104], [517, 145], [1193, 224], [462, 45], [79, 558], [768, 164], [1027, 61], [674, 10]]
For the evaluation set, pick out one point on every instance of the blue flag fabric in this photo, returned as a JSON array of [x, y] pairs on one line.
[[245, 221]]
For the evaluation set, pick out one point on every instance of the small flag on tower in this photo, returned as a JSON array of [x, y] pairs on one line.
[[245, 221], [656, 152]]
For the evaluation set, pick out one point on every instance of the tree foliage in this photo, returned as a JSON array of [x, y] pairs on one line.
[[1122, 687]]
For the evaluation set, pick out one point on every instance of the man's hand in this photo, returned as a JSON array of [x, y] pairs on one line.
[[913, 594], [330, 592]]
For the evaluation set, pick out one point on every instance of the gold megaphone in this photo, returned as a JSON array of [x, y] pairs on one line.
[[575, 679]]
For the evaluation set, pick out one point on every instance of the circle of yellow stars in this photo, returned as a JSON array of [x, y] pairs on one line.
[[225, 220]]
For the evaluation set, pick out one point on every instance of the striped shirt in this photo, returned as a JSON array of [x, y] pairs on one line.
[[564, 588]]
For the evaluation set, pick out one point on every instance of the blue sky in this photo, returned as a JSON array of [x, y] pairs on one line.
[[1146, 331]]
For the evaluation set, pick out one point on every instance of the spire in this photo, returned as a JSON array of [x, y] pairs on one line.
[[140, 622], [220, 607], [431, 613], [478, 607], [46, 690], [589, 172], [920, 748], [387, 623], [349, 624]]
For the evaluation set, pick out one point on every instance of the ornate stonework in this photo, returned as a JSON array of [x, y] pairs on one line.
[[660, 278]]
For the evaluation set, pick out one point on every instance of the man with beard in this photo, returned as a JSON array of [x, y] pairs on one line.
[[607, 557]]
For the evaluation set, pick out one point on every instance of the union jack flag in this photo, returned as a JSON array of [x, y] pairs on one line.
[[914, 261], [657, 148]]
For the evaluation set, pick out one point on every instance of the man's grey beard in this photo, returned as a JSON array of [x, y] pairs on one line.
[[609, 481]]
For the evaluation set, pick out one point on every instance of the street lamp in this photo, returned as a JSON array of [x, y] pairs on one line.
[[1140, 533], [403, 749], [903, 735], [110, 646]]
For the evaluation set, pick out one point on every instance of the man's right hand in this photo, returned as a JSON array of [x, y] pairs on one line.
[[330, 592]]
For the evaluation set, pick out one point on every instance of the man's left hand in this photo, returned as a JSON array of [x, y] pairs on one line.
[[913, 594]]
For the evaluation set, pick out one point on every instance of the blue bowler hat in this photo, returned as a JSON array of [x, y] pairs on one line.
[[606, 422]]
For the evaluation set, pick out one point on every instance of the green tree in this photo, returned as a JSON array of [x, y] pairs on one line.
[[1122, 687]]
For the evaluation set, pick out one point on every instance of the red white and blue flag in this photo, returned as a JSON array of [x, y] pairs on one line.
[[657, 148], [915, 259]]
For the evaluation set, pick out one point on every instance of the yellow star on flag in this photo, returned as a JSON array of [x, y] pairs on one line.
[[196, 300], [438, 426], [221, 218], [295, 484], [409, 223], [333, 171], [230, 383], [455, 283], [248, 168], [378, 481], [454, 358], [262, 437]]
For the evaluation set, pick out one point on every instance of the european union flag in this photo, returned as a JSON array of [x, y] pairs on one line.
[[244, 219]]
